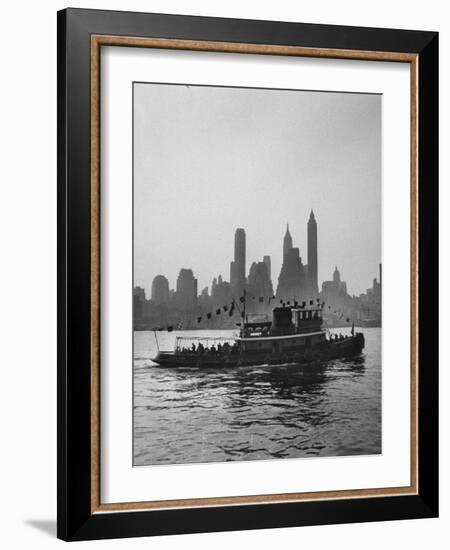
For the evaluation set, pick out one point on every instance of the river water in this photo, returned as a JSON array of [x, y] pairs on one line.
[[252, 413]]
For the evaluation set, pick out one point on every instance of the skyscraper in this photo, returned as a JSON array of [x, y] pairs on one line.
[[291, 282], [237, 267], [267, 261], [287, 243], [220, 292], [259, 284], [139, 303], [312, 254], [160, 290], [186, 290]]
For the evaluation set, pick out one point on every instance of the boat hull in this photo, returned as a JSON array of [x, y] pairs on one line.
[[334, 349]]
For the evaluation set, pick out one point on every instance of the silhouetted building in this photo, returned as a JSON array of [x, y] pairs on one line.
[[287, 243], [335, 288], [370, 304], [340, 308], [259, 288], [204, 300], [186, 295], [220, 292], [139, 304], [237, 267], [267, 261], [312, 254], [160, 290], [291, 282]]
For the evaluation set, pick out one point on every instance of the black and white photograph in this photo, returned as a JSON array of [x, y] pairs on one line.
[[257, 274]]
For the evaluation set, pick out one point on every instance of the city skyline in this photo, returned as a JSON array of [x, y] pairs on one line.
[[240, 280], [242, 277], [256, 159], [219, 304]]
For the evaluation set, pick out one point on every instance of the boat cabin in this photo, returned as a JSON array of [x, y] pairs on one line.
[[292, 329]]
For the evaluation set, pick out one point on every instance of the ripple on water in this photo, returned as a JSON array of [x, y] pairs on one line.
[[255, 413]]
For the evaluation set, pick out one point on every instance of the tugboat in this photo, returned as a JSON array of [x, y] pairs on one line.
[[296, 335]]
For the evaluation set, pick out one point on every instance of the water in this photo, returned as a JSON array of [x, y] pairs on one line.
[[252, 413]]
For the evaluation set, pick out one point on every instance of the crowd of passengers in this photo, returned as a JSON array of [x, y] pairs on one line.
[[337, 337], [227, 348], [220, 348]]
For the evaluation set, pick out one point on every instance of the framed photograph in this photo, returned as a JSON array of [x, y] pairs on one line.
[[248, 298]]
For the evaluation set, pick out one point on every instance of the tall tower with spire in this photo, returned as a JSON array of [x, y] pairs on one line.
[[336, 275], [287, 243], [237, 267], [312, 253], [291, 282]]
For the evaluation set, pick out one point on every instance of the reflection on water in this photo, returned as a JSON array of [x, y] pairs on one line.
[[331, 408]]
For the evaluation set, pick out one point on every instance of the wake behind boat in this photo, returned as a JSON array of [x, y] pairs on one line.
[[295, 335]]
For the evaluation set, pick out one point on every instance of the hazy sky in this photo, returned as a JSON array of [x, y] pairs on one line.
[[208, 160]]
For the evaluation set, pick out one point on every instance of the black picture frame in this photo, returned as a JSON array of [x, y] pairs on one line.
[[76, 521]]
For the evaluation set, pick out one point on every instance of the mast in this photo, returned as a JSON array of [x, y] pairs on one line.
[[156, 339]]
